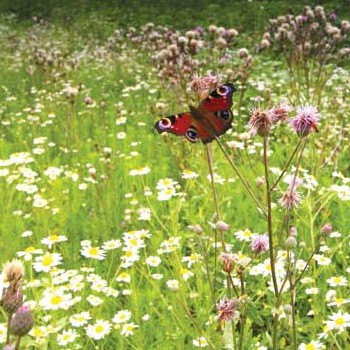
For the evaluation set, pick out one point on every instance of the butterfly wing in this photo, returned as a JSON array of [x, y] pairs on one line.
[[212, 118], [178, 124], [213, 114]]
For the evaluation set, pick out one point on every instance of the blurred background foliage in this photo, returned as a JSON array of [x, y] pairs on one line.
[[250, 16]]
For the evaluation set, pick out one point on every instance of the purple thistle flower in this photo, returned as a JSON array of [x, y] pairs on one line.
[[332, 16], [290, 199], [280, 113], [260, 122], [227, 308], [260, 243], [305, 121]]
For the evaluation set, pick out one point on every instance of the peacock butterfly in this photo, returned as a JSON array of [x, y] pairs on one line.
[[211, 118]]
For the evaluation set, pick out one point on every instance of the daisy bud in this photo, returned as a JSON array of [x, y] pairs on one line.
[[291, 242], [227, 261], [222, 226], [22, 321]]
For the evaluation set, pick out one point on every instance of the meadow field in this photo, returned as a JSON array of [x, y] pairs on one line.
[[114, 236]]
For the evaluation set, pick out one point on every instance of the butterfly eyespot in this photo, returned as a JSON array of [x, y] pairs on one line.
[[222, 90], [191, 134], [164, 123], [224, 114]]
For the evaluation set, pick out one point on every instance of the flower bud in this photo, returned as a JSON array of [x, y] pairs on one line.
[[22, 321], [222, 226], [227, 261], [326, 229], [291, 242]]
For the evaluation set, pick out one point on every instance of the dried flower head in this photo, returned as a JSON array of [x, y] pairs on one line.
[[260, 243], [261, 121], [227, 308], [305, 121], [14, 272], [227, 260]]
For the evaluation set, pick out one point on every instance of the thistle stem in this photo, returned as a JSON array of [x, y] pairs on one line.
[[245, 184], [269, 219], [286, 166]]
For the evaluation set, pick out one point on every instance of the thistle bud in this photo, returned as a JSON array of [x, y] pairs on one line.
[[227, 261], [326, 229], [291, 242], [222, 226], [11, 300], [22, 321]]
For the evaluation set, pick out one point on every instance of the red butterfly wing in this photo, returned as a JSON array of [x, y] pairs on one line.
[[219, 99], [176, 124], [212, 117]]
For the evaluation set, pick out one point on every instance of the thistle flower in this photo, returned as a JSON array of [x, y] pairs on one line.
[[227, 308], [280, 113], [260, 244], [200, 84], [305, 121], [261, 122], [290, 199], [12, 298], [22, 321]]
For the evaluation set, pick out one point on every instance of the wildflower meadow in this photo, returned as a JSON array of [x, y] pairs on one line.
[[175, 176]]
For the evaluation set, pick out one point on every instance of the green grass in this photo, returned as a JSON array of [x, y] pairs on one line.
[[123, 82]]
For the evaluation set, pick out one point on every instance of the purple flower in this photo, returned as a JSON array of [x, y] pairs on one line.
[[280, 113], [260, 243], [305, 121], [260, 122], [332, 16], [290, 199], [227, 308]]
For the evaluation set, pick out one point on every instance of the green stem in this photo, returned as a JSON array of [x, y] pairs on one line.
[[269, 219], [17, 343], [286, 166], [8, 328], [245, 184]]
